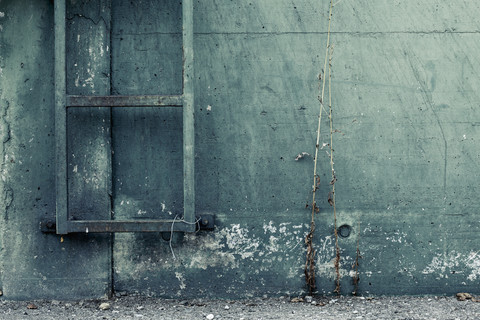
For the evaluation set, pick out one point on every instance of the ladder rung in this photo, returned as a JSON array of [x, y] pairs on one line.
[[100, 226], [125, 101]]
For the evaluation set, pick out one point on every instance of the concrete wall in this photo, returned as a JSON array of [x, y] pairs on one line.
[[405, 100]]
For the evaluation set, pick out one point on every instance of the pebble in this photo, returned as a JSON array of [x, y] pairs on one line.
[[210, 316], [308, 299], [227, 307], [31, 306], [104, 306]]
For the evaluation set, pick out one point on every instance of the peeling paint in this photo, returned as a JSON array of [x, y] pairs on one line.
[[270, 228], [239, 240], [473, 262], [181, 279], [397, 237], [444, 265]]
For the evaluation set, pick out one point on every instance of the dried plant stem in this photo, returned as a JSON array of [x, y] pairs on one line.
[[356, 277], [334, 178], [310, 261]]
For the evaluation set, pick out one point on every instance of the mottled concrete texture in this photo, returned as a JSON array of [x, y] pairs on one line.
[[405, 102]]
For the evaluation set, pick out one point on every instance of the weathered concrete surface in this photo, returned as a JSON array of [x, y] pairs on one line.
[[405, 100], [35, 264]]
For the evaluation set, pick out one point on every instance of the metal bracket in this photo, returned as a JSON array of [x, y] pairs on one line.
[[48, 226], [206, 221]]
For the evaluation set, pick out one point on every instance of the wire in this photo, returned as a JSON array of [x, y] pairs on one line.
[[171, 232]]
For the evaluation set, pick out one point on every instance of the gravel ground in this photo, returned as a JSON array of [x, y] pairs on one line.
[[137, 307]]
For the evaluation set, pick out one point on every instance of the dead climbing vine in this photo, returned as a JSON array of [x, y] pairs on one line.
[[356, 277], [310, 258], [331, 198]]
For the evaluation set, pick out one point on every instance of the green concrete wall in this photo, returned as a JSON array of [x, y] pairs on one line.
[[405, 100]]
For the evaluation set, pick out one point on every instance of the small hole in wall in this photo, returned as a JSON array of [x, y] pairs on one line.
[[344, 230]]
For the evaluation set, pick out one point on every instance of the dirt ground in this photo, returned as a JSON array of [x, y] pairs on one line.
[[138, 307]]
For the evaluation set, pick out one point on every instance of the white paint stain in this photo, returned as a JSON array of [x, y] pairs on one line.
[[445, 263], [89, 80], [230, 247], [269, 228], [2, 14], [75, 168], [473, 262], [209, 108], [181, 279], [397, 237], [240, 242], [273, 245], [325, 262]]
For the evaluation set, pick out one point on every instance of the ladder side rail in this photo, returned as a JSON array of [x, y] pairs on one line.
[[188, 115], [61, 186]]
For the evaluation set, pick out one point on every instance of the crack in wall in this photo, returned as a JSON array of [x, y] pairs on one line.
[[81, 16], [428, 100]]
